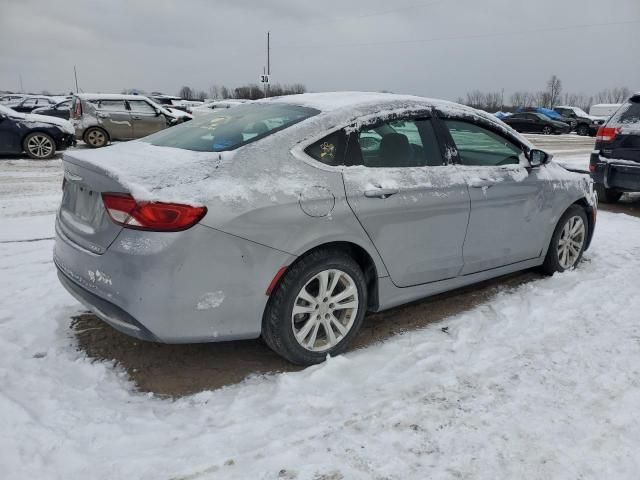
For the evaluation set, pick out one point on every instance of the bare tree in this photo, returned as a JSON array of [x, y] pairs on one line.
[[201, 95], [553, 92], [225, 92], [186, 93]]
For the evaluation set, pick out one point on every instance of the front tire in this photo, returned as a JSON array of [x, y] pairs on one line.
[[317, 308], [606, 195], [568, 241], [547, 130], [95, 137], [39, 146]]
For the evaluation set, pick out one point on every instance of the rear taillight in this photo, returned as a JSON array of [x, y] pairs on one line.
[[157, 216], [78, 110], [607, 134]]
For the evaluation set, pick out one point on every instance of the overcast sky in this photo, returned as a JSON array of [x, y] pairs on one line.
[[433, 48]]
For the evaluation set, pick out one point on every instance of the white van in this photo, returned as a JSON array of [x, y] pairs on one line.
[[604, 110]]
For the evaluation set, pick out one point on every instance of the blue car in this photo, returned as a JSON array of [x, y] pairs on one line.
[[39, 136]]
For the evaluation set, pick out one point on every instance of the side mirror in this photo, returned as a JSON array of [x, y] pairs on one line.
[[2, 117], [539, 157], [158, 113]]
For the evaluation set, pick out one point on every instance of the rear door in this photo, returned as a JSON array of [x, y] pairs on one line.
[[508, 219], [146, 119], [115, 118], [413, 204]]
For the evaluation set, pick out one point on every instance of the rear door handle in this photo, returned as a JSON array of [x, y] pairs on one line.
[[380, 192], [481, 184], [136, 118]]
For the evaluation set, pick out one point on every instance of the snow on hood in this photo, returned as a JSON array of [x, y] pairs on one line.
[[64, 125]]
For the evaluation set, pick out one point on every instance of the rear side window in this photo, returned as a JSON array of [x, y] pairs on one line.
[[329, 149], [228, 129], [628, 114], [396, 144], [477, 145]]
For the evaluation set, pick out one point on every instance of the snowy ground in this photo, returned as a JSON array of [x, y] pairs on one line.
[[542, 381]]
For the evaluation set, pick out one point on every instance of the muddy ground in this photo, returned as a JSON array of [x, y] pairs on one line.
[[176, 370]]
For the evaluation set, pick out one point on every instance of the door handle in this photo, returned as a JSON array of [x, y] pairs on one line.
[[481, 183], [136, 118], [380, 193]]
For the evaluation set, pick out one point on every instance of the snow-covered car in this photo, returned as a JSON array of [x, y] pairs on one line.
[[39, 136], [11, 99], [604, 110], [292, 217], [216, 104], [101, 118], [615, 161]]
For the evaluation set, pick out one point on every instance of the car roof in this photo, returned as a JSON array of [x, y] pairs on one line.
[[109, 96]]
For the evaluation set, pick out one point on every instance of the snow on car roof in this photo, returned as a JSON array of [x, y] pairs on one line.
[[108, 96]]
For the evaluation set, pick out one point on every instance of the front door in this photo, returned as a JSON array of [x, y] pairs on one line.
[[114, 117], [146, 119], [412, 204], [508, 220]]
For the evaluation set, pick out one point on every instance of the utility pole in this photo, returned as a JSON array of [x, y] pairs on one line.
[[21, 86], [268, 58], [75, 74]]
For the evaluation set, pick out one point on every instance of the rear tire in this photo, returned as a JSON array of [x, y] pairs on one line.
[[328, 317], [95, 137], [583, 130], [39, 146], [607, 195], [568, 241]]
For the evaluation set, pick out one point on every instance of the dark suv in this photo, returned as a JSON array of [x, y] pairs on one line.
[[615, 161], [585, 124]]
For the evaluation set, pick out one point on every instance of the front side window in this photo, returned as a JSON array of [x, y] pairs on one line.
[[478, 146], [30, 102], [228, 129], [140, 106], [396, 144], [111, 105]]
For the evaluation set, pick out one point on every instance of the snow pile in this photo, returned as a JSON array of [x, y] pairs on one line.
[[542, 381]]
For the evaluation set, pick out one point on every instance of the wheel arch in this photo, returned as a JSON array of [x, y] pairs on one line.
[[591, 212], [361, 256]]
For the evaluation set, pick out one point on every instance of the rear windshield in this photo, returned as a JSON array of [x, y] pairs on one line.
[[627, 114], [228, 129]]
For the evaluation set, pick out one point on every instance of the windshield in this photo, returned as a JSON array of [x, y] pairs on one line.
[[228, 129], [580, 112]]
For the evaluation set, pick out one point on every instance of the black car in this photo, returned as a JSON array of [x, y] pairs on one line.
[[532, 122], [39, 136], [585, 124], [29, 104], [615, 161], [60, 110]]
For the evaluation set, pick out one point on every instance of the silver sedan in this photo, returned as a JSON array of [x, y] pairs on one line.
[[290, 218]]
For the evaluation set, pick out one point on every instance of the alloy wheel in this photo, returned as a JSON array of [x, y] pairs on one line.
[[547, 130], [40, 146], [571, 242], [96, 138], [324, 310]]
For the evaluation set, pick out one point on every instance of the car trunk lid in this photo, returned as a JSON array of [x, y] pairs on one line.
[[82, 217]]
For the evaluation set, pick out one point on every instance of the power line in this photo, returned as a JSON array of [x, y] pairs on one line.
[[460, 37]]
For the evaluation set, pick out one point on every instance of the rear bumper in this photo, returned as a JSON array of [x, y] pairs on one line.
[[617, 175], [200, 285]]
